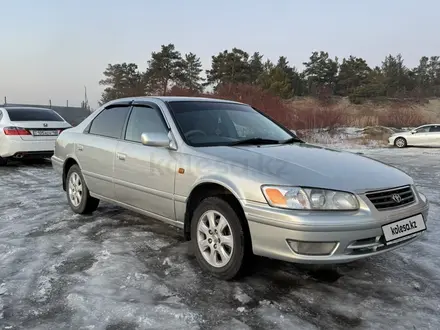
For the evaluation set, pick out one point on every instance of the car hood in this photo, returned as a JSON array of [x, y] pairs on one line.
[[403, 133], [308, 165]]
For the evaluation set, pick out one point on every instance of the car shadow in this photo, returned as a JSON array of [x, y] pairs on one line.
[[29, 162]]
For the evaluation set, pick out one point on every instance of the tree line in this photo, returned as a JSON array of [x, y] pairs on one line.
[[352, 77]]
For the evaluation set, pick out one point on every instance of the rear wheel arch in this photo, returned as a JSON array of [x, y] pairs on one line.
[[210, 189], [69, 162]]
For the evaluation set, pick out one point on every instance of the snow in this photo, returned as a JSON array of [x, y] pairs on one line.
[[119, 270]]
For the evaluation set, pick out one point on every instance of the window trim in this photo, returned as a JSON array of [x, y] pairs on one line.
[[115, 105], [148, 106]]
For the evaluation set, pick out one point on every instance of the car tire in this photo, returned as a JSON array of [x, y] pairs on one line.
[[400, 142], [3, 161], [83, 203], [234, 258]]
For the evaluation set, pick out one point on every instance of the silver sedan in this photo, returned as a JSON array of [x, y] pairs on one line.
[[237, 183]]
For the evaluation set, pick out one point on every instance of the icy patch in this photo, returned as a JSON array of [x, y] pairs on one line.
[[3, 289], [241, 296], [289, 321], [44, 287]]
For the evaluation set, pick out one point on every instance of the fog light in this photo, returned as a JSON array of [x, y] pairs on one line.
[[312, 248]]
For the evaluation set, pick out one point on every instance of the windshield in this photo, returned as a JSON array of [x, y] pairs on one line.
[[206, 123]]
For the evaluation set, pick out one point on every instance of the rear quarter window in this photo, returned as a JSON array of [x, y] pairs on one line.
[[33, 115]]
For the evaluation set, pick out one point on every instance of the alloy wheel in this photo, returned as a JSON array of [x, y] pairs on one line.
[[214, 238], [75, 189]]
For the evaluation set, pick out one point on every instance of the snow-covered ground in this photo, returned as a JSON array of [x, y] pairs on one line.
[[353, 138], [119, 270]]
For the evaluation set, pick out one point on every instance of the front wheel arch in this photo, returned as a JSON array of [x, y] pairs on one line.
[[401, 138], [208, 189]]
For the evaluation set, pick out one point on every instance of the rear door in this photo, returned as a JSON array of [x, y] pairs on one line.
[[95, 149], [145, 175], [38, 124]]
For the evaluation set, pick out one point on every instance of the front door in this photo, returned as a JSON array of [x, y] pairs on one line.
[[420, 137], [144, 176], [434, 135]]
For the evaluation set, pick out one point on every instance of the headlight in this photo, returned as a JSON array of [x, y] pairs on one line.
[[298, 198]]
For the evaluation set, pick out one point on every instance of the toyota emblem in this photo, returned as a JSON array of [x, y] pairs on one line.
[[396, 198], [45, 125]]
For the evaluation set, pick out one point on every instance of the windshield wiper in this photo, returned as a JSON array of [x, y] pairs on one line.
[[255, 141], [291, 140]]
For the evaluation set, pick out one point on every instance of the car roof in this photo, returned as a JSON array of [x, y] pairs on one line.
[[25, 108], [429, 125], [174, 98]]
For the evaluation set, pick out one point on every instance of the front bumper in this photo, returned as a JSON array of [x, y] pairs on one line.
[[356, 234]]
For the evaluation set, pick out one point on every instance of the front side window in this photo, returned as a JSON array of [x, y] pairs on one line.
[[23, 114], [110, 122], [435, 129], [206, 123], [144, 120], [423, 129]]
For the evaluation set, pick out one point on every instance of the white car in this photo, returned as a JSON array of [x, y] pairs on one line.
[[27, 132], [426, 135]]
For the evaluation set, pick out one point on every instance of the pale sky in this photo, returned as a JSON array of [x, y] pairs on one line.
[[51, 49]]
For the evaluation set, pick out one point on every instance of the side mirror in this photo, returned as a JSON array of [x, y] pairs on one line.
[[155, 140], [413, 131]]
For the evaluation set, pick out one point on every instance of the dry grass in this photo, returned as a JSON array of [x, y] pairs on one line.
[[310, 113]]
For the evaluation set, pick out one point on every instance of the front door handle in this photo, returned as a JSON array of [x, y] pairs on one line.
[[80, 147], [121, 156]]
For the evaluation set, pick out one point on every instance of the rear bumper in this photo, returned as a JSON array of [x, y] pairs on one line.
[[57, 164], [26, 149]]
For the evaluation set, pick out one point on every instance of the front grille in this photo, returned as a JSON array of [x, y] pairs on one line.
[[391, 198]]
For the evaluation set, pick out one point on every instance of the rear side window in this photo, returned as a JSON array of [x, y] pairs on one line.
[[110, 122], [20, 114]]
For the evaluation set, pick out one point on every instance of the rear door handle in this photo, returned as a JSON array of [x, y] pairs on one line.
[[121, 156], [80, 147]]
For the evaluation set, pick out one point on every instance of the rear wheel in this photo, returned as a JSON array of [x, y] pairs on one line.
[[78, 194], [218, 238], [400, 142]]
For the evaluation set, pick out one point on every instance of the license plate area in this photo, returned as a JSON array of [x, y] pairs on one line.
[[402, 228], [44, 132]]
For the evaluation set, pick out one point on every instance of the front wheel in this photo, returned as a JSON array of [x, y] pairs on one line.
[[400, 142], [78, 194], [218, 238]]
